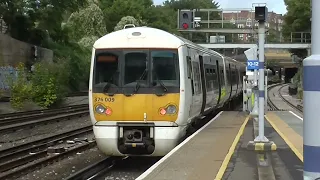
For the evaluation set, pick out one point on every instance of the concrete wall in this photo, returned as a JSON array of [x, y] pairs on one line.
[[13, 51]]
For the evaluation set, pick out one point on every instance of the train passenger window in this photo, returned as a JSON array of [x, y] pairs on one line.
[[165, 66], [189, 68], [106, 68], [136, 64]]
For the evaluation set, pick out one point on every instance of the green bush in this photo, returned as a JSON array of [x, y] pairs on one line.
[[49, 83], [77, 58], [20, 88]]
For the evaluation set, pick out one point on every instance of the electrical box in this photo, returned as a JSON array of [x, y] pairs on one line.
[[261, 13]]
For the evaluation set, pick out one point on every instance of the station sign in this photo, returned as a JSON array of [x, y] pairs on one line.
[[253, 64]]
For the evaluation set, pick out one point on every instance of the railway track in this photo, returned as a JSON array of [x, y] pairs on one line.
[[115, 168], [28, 156], [26, 119], [96, 170], [269, 102], [41, 112], [274, 107], [73, 94], [298, 108]]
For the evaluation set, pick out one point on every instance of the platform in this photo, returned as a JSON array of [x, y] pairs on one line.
[[290, 127], [203, 155]]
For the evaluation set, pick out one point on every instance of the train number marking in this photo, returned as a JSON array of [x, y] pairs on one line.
[[107, 99]]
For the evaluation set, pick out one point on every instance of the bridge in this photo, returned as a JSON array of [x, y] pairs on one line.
[[283, 57], [248, 46]]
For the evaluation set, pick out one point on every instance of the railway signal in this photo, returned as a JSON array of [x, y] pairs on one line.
[[185, 19]]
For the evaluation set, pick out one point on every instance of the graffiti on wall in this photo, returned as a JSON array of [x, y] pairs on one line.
[[7, 73]]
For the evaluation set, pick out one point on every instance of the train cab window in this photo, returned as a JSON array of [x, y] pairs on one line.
[[135, 68], [165, 67], [106, 68]]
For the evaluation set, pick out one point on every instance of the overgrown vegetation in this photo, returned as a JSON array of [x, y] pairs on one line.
[[45, 86], [297, 19]]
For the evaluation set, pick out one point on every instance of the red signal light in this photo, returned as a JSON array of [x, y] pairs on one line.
[[185, 26]]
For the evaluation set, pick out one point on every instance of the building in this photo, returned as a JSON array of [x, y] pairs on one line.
[[245, 19]]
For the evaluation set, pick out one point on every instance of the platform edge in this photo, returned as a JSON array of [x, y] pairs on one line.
[[154, 166], [289, 143], [226, 160]]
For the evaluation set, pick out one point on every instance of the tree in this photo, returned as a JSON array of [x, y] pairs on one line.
[[87, 22], [88, 41], [297, 19], [162, 17], [25, 16], [117, 9], [127, 20], [272, 36]]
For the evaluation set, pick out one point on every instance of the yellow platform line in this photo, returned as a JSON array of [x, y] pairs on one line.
[[284, 137], [226, 160]]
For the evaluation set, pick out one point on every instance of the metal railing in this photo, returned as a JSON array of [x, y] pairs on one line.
[[295, 37]]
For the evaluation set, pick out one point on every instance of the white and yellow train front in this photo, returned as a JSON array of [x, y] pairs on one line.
[[136, 93]]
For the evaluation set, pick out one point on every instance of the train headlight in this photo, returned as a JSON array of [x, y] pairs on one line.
[[100, 109], [171, 109]]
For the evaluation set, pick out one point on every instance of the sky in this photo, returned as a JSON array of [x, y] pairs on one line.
[[276, 6]]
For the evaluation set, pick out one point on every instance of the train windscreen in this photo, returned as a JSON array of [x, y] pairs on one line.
[[127, 68]]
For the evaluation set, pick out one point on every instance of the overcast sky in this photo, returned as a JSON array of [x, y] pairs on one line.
[[273, 5]]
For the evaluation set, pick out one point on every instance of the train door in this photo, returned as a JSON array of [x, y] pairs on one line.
[[223, 94], [218, 80], [229, 80], [203, 84], [195, 84], [237, 78]]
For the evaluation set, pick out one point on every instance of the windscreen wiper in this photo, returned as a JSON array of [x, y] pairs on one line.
[[165, 89], [107, 87], [138, 83]]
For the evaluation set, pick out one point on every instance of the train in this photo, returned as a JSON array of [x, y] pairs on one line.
[[148, 86]]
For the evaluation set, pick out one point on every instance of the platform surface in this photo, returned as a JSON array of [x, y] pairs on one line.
[[201, 157], [290, 127]]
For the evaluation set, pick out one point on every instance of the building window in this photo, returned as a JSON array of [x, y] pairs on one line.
[[267, 24], [248, 23], [240, 25], [240, 36], [232, 21]]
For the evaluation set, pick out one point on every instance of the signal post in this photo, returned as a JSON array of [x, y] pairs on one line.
[[260, 144]]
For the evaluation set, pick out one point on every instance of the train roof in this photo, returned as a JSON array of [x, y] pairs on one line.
[[150, 38]]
